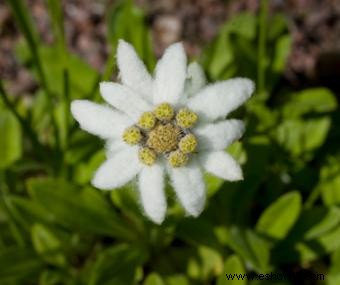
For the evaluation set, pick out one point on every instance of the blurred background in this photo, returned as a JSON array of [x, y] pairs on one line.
[[283, 218], [313, 25]]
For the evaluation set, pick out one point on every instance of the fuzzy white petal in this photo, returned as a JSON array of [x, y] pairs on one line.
[[170, 75], [133, 71], [188, 184], [219, 135], [114, 146], [196, 78], [124, 99], [99, 120], [117, 170], [219, 99], [221, 164], [151, 188]]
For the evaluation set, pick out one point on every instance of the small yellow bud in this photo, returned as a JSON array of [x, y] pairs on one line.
[[132, 135], [147, 121], [188, 144], [177, 158], [186, 118], [147, 156], [164, 112]]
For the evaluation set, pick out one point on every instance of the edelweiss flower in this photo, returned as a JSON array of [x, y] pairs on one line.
[[169, 123]]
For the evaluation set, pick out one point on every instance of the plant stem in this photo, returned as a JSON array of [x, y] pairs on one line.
[[24, 124], [27, 29], [56, 15], [26, 26], [262, 41], [109, 69], [66, 104], [110, 66]]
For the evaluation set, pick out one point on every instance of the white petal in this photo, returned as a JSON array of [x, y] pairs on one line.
[[114, 146], [170, 75], [151, 187], [189, 187], [220, 135], [118, 170], [221, 164], [219, 99], [99, 120], [196, 78], [124, 99], [133, 71]]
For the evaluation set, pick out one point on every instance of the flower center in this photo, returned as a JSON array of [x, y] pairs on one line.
[[164, 138], [164, 132]]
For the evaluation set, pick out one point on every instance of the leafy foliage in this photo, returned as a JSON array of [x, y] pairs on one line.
[[57, 229]]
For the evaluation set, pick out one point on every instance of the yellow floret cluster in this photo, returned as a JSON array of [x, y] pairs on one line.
[[132, 135], [147, 121], [177, 158], [164, 112], [188, 144], [186, 118], [164, 132], [147, 156]]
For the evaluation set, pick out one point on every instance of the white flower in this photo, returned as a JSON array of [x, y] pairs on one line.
[[169, 123]]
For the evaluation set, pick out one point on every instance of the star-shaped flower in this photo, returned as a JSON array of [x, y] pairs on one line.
[[169, 123]]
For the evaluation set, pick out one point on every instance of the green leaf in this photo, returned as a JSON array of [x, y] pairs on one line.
[[53, 277], [47, 245], [79, 209], [61, 114], [319, 247], [153, 279], [266, 118], [85, 169], [126, 199], [307, 251], [254, 248], [206, 263], [329, 183], [333, 279], [282, 51], [212, 183], [82, 147], [117, 265], [177, 279], [302, 137], [278, 26], [232, 204], [10, 139], [18, 264], [30, 211], [279, 217], [335, 264], [313, 236], [333, 276], [330, 191], [317, 100], [199, 231], [127, 21], [233, 265], [244, 24], [315, 222], [82, 76], [40, 116], [215, 58]]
